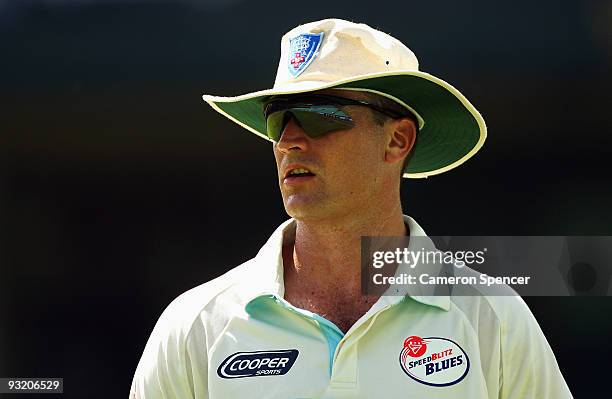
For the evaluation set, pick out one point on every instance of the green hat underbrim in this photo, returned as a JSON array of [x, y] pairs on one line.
[[451, 129]]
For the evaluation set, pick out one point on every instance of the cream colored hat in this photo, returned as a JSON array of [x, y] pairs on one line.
[[333, 53]]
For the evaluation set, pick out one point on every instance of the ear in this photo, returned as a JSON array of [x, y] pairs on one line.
[[402, 136]]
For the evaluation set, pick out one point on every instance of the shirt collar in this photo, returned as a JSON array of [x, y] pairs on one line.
[[267, 274]]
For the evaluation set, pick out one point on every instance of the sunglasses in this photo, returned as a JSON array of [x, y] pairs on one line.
[[316, 114]]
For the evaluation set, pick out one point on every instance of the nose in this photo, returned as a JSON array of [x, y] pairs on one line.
[[293, 137]]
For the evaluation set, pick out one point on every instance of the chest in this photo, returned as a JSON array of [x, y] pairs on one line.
[[304, 360]]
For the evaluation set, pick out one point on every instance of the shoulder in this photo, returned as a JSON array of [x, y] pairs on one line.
[[167, 367], [185, 310], [498, 308], [501, 300]]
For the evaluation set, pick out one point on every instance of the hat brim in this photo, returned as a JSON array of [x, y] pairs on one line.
[[451, 129]]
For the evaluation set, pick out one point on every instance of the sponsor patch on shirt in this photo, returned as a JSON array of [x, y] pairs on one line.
[[434, 361], [255, 364], [302, 50]]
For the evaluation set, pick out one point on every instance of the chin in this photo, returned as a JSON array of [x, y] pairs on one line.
[[301, 209], [304, 210], [300, 212]]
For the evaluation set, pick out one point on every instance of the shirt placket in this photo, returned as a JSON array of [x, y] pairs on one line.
[[344, 374], [343, 354]]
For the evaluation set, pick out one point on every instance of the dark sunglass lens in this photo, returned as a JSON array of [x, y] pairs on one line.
[[316, 124], [275, 124], [315, 119]]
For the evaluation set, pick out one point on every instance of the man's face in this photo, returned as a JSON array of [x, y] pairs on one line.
[[347, 166]]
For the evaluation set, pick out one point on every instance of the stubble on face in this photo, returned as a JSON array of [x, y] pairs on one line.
[[346, 166]]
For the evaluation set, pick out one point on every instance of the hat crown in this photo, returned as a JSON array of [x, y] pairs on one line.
[[344, 50]]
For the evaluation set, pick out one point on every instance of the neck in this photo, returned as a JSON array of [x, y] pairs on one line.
[[325, 257]]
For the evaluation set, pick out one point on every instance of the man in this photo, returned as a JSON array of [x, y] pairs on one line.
[[349, 115]]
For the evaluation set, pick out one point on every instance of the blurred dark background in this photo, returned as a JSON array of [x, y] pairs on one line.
[[120, 189]]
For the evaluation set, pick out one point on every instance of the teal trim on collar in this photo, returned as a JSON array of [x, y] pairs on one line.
[[263, 308], [332, 334]]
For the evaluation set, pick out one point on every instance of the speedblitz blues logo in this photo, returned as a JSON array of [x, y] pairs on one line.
[[302, 50], [434, 361], [253, 364]]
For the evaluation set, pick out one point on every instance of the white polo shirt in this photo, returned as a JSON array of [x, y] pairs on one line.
[[236, 337]]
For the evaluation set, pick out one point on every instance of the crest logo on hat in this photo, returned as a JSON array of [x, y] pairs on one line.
[[302, 50]]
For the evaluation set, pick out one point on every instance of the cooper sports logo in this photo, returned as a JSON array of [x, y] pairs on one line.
[[254, 364], [434, 361]]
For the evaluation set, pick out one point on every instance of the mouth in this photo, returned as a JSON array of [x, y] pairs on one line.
[[298, 175]]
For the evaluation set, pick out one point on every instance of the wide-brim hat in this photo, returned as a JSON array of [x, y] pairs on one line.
[[338, 54]]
